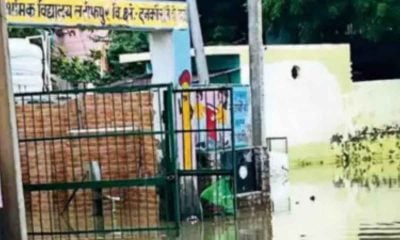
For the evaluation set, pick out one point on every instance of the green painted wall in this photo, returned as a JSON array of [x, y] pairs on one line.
[[218, 64], [223, 63]]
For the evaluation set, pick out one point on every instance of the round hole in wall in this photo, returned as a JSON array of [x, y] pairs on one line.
[[295, 72]]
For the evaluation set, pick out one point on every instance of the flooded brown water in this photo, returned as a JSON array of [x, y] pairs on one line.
[[315, 210]]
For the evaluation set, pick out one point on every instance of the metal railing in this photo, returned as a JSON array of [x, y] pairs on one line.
[[205, 137], [127, 162], [63, 134], [271, 140]]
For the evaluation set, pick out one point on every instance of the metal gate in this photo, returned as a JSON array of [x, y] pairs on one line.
[[98, 163], [206, 141], [125, 163]]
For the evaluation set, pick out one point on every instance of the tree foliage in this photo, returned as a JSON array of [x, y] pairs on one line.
[[125, 42], [332, 21], [76, 70], [303, 21], [223, 22], [14, 32]]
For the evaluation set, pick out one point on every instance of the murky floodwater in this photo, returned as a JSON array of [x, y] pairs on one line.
[[315, 209]]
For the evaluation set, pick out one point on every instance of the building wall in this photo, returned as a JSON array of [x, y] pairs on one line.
[[373, 103], [78, 43], [310, 108], [322, 101], [26, 66]]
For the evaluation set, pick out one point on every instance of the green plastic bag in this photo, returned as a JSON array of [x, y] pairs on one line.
[[219, 194]]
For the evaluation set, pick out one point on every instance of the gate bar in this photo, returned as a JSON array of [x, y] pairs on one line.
[[157, 182]]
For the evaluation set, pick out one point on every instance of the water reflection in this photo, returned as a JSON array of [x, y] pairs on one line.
[[316, 210], [319, 210], [250, 225], [221, 230]]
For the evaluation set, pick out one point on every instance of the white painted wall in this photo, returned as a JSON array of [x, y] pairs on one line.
[[307, 109], [162, 57], [26, 66], [319, 103], [280, 185], [374, 103]]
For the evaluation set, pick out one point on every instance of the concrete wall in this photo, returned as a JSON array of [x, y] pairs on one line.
[[310, 108], [374, 103], [321, 101], [26, 65], [78, 43]]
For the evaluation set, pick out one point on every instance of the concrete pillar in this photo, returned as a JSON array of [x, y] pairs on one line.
[[170, 55], [170, 60], [12, 216], [256, 51], [171, 63]]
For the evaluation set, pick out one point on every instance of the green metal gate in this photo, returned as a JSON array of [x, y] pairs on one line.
[[206, 141], [98, 163], [112, 163]]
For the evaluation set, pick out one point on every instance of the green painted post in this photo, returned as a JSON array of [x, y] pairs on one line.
[[172, 164], [235, 174]]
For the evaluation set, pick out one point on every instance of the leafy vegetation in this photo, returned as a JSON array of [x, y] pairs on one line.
[[299, 21], [285, 21], [223, 21], [76, 70], [333, 21], [14, 32], [124, 42]]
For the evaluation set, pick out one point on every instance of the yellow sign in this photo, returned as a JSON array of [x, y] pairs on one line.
[[98, 13]]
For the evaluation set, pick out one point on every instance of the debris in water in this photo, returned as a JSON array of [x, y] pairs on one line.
[[192, 220], [163, 236]]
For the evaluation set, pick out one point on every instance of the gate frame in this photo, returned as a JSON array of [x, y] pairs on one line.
[[171, 180], [179, 58], [219, 172], [167, 181]]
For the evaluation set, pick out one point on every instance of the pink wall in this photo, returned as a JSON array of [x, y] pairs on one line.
[[77, 43]]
